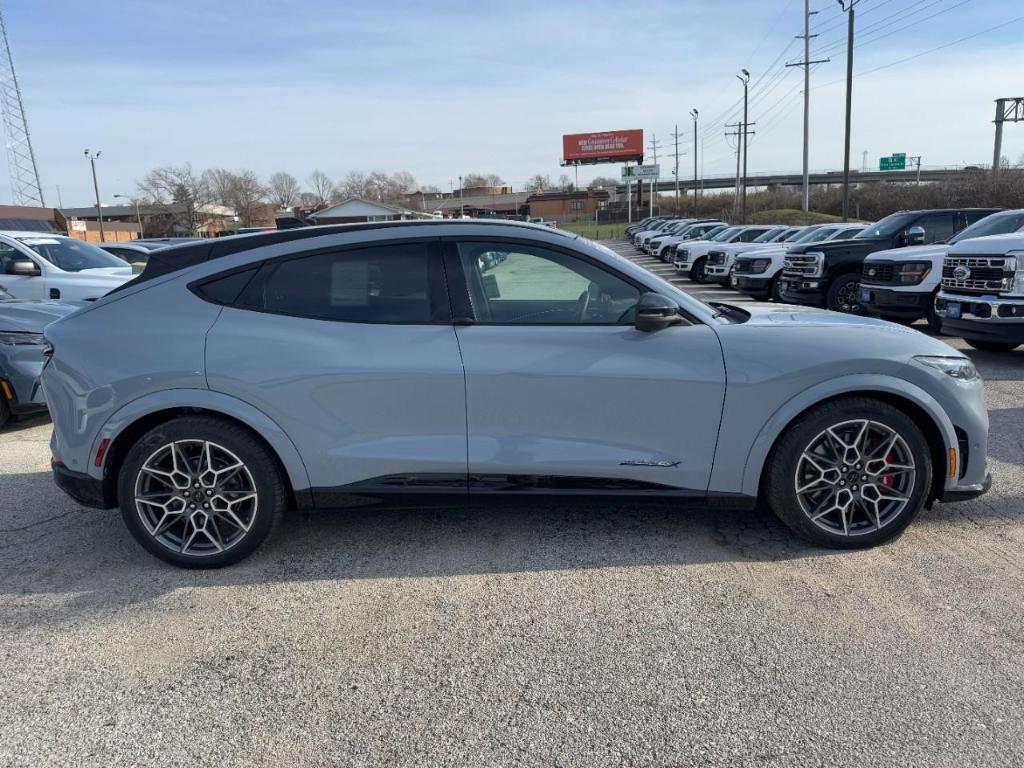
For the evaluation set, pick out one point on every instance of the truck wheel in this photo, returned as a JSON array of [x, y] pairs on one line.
[[844, 294], [934, 321], [200, 492], [698, 273], [776, 290], [993, 346], [850, 473]]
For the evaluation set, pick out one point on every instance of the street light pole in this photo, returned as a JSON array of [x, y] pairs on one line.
[[462, 207], [93, 157], [138, 215], [848, 6], [744, 77], [694, 113]]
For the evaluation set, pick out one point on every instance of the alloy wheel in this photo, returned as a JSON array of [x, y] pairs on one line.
[[855, 477], [848, 297], [196, 497]]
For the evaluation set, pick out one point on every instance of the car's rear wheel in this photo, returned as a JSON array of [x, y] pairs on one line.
[[200, 492], [992, 346], [844, 294], [850, 473], [699, 273]]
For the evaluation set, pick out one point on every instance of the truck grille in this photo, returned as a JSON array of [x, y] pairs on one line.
[[978, 274], [716, 258], [805, 265], [876, 273]]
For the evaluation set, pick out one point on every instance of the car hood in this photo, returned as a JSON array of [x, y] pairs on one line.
[[909, 253], [107, 272], [32, 316]]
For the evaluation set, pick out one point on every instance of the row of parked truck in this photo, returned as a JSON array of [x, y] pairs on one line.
[[957, 267]]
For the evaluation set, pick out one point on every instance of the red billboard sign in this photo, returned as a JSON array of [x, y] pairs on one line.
[[606, 147]]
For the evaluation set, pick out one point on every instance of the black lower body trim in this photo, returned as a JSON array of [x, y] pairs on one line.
[[86, 490], [970, 492]]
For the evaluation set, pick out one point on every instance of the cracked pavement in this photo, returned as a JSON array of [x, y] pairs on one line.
[[586, 635]]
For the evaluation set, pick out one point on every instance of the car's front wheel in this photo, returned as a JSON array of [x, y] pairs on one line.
[[699, 272], [850, 473], [844, 294], [200, 492]]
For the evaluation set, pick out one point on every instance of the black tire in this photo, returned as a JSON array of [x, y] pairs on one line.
[[266, 477], [780, 476], [775, 293], [698, 272], [932, 317], [5, 411], [843, 296], [993, 346]]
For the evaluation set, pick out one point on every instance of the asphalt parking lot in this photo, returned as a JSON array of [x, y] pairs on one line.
[[563, 636]]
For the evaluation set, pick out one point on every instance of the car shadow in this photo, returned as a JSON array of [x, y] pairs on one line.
[[86, 560]]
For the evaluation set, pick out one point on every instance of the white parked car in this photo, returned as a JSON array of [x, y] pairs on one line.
[[757, 275], [691, 258], [37, 265], [721, 258], [901, 283], [664, 247], [655, 228]]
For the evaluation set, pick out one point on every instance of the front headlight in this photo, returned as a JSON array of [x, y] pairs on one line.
[[1017, 267], [20, 338], [960, 368], [760, 266], [913, 272]]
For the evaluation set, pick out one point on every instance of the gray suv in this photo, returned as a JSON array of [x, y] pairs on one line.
[[453, 361]]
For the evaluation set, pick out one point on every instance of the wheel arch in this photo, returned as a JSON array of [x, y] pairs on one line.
[[938, 430], [136, 418]]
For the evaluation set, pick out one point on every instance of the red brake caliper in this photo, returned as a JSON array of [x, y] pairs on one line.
[[888, 480]]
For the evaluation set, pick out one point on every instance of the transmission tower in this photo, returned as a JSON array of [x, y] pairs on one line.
[[21, 160]]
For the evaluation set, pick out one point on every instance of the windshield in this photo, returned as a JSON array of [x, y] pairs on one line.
[[890, 225], [814, 235], [725, 234], [790, 236], [72, 255], [996, 224], [768, 236]]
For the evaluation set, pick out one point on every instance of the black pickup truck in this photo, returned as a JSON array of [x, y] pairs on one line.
[[828, 274]]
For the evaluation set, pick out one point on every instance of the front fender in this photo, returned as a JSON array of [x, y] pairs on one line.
[[217, 402], [862, 384]]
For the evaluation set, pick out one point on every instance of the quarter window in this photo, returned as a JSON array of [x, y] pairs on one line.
[[520, 284], [382, 284]]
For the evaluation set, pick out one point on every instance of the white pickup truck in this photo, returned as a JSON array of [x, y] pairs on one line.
[[982, 295], [901, 283], [720, 259], [37, 265]]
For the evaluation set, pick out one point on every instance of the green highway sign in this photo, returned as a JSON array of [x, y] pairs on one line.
[[895, 162]]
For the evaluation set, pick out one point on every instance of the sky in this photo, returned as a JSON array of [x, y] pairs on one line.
[[447, 88]]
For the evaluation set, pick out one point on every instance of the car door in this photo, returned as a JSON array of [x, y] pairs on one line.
[[562, 392], [20, 286], [352, 353]]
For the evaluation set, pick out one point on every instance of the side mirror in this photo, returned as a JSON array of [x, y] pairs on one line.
[[23, 267], [914, 236], [654, 312]]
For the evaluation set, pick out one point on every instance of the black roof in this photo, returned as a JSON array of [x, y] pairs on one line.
[[175, 257]]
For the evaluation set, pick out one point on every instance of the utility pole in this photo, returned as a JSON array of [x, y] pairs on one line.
[[737, 133], [93, 157], [864, 161], [806, 64], [138, 215], [695, 114], [462, 206], [744, 77], [1012, 112], [917, 161], [655, 146], [675, 136], [848, 6]]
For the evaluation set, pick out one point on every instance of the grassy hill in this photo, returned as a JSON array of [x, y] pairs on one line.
[[792, 217]]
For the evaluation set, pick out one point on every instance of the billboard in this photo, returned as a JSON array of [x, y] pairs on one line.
[[606, 147]]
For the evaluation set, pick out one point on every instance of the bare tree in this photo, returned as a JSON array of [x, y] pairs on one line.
[[239, 190], [180, 191], [471, 180], [320, 184], [605, 182], [283, 189], [538, 183], [565, 183], [308, 199]]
